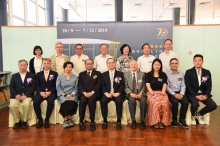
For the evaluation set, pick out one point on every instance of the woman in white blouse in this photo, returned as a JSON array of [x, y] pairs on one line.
[[35, 64]]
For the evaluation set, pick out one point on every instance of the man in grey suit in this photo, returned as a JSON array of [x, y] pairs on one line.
[[135, 89]]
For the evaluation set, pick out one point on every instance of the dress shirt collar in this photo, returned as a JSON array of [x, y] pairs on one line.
[[48, 71], [112, 72], [58, 56], [38, 58], [167, 53], [90, 72], [23, 73], [146, 56], [171, 72]]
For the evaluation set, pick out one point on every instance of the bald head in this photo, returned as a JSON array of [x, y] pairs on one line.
[[133, 66]]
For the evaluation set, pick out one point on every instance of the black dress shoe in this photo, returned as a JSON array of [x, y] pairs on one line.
[[81, 126], [92, 127], [105, 125], [183, 123], [46, 124], [17, 125], [39, 124], [174, 124], [24, 125], [118, 125], [142, 125], [133, 125]]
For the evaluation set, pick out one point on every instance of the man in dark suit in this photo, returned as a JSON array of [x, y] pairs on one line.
[[46, 90], [113, 89], [135, 89], [89, 89], [198, 88], [22, 91]]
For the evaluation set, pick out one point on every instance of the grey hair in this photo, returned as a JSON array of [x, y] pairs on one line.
[[57, 43], [23, 60]]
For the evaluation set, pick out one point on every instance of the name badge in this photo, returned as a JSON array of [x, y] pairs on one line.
[[139, 81], [160, 80], [180, 79], [83, 60], [95, 76], [150, 61]]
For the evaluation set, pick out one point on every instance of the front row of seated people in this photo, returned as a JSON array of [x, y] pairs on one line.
[[157, 92]]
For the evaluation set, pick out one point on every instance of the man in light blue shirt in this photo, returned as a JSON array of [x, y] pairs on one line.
[[176, 92]]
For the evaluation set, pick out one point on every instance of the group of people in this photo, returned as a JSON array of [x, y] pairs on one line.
[[155, 82]]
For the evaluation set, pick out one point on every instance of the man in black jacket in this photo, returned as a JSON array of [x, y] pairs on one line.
[[22, 91], [89, 89], [198, 88], [46, 90], [113, 87]]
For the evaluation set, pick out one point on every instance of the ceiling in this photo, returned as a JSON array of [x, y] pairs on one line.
[[207, 11]]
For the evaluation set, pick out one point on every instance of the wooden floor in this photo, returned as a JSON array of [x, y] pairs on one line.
[[200, 135]]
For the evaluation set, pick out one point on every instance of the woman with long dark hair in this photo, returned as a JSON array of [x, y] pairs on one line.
[[158, 110]]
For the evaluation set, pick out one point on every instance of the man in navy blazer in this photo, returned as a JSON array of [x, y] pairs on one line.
[[89, 86], [198, 88], [22, 91], [113, 87], [46, 90]]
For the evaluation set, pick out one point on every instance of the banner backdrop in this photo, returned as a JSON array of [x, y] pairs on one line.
[[114, 34]]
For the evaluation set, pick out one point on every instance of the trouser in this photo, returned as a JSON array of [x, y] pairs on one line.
[[50, 104], [91, 101], [210, 105], [132, 107], [175, 102], [14, 105], [118, 102]]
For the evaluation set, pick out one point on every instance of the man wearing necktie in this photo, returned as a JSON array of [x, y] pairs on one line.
[[135, 90], [113, 89], [46, 90], [198, 88], [89, 89]]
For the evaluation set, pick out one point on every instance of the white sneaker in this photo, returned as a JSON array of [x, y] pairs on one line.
[[200, 119], [193, 120]]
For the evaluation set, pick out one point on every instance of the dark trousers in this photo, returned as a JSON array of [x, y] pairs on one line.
[[132, 107], [210, 105], [175, 102], [50, 104], [92, 106], [118, 103]]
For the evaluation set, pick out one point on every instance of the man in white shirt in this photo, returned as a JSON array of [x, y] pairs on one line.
[[79, 60], [100, 60], [145, 61], [167, 55]]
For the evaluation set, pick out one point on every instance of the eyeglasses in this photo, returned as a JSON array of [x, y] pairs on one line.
[[78, 48], [173, 63], [110, 62]]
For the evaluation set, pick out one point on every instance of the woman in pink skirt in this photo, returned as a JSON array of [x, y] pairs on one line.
[[158, 110]]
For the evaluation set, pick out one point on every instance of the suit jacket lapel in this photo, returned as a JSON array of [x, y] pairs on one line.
[[130, 82], [195, 75], [138, 78]]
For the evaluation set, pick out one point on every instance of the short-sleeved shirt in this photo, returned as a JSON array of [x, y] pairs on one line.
[[145, 63], [79, 63], [100, 63], [165, 58], [156, 83], [123, 63]]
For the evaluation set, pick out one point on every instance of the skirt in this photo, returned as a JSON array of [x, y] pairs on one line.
[[68, 107], [158, 109]]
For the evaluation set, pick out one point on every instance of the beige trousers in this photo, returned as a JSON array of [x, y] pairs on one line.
[[14, 109]]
